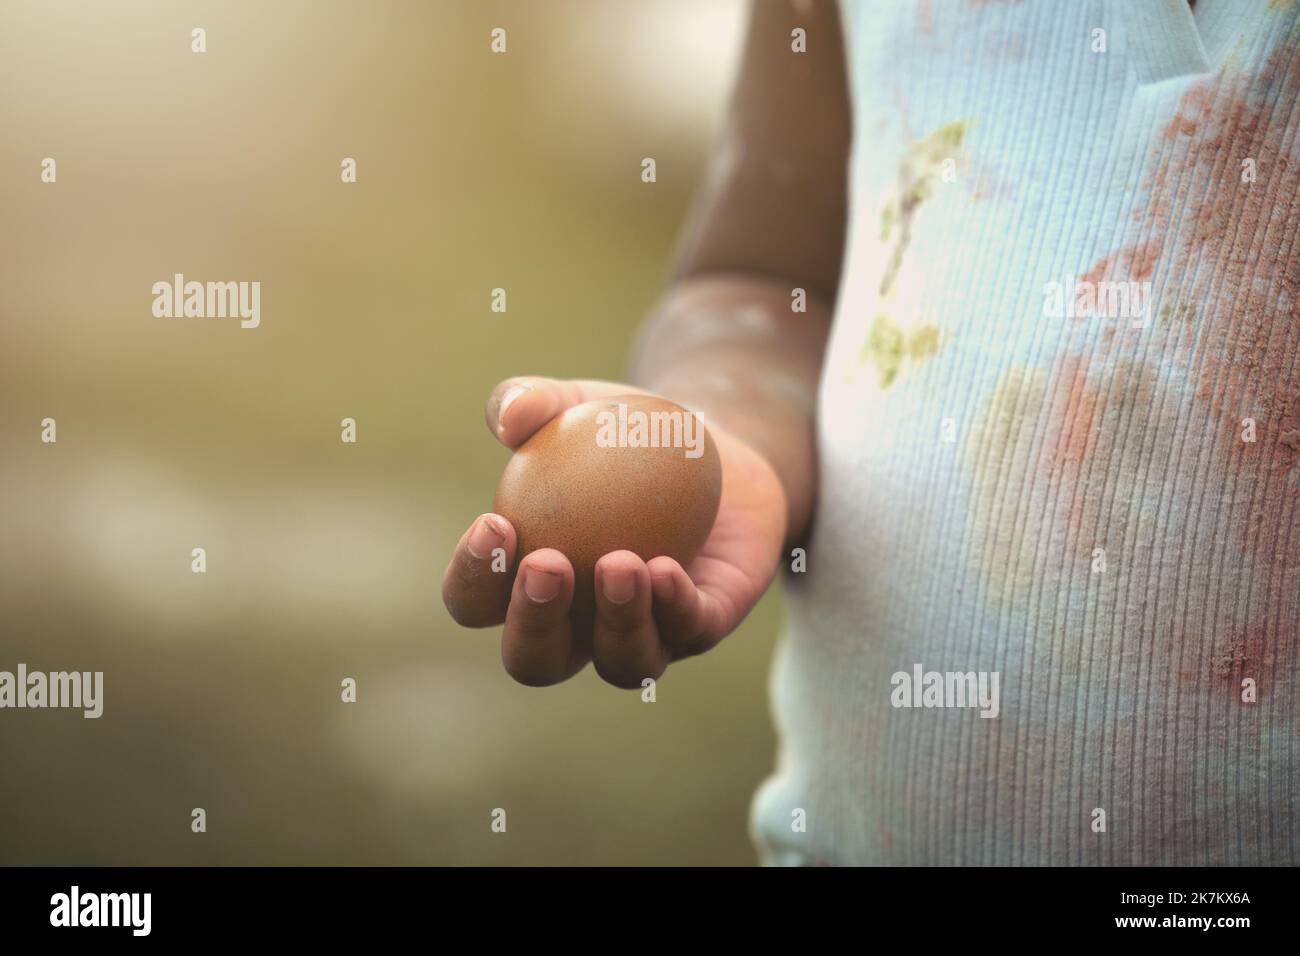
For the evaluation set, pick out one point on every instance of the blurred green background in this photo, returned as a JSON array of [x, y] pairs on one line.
[[223, 689]]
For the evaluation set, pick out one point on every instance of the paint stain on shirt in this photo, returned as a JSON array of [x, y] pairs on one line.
[[1002, 521], [891, 343], [1224, 199], [1058, 459], [920, 169], [888, 346]]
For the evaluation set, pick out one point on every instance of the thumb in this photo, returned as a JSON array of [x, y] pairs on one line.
[[519, 406]]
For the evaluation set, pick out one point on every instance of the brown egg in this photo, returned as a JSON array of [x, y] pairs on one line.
[[590, 481]]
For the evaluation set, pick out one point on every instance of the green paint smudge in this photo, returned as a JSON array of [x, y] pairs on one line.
[[918, 172], [887, 346]]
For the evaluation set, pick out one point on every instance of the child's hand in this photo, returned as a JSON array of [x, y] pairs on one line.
[[647, 613]]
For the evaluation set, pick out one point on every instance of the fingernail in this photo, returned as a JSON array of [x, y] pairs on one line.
[[619, 586], [664, 588], [506, 401], [541, 585], [485, 538]]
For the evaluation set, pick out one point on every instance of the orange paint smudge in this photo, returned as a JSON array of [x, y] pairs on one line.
[[1227, 660], [1222, 198], [1193, 109], [1142, 259], [1074, 429], [925, 17], [1134, 263]]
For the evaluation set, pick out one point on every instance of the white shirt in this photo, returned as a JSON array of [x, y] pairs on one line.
[[1059, 434]]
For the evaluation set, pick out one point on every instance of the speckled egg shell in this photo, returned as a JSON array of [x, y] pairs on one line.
[[563, 490]]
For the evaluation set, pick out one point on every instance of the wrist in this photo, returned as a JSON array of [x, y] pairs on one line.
[[773, 430]]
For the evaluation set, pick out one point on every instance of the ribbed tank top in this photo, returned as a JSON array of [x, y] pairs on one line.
[[1059, 441]]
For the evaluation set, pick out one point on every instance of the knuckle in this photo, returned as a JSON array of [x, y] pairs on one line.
[[622, 621], [535, 621]]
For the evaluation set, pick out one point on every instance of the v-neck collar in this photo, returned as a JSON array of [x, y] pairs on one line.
[[1165, 40], [1170, 39]]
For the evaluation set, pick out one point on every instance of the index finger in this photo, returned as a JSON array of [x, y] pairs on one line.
[[476, 584]]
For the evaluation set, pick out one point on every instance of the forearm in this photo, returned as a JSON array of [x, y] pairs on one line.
[[770, 217], [730, 347]]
